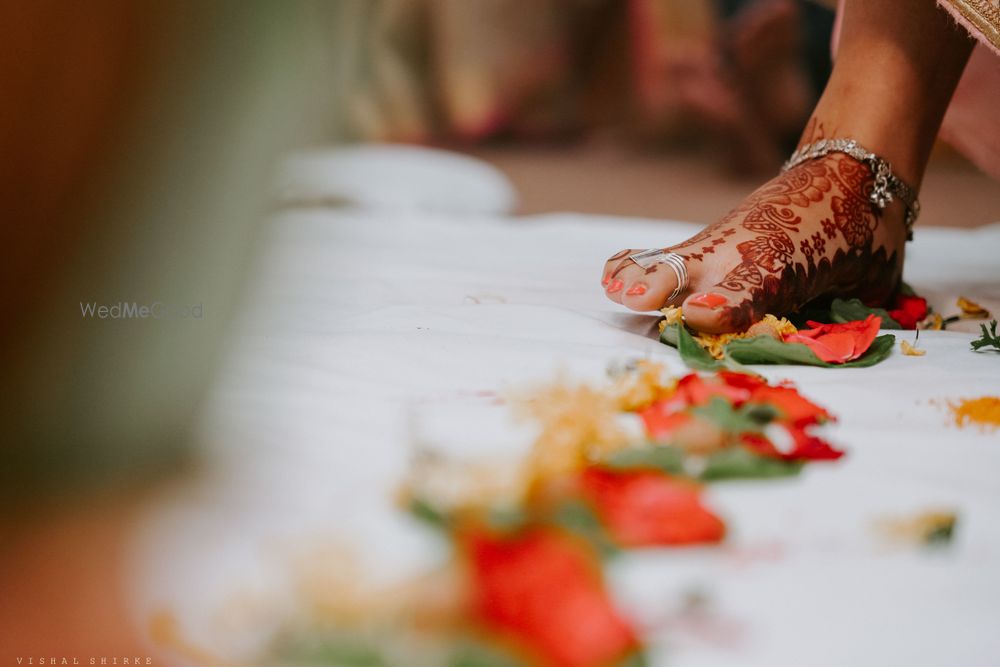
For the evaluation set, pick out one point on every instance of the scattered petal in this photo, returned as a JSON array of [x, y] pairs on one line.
[[792, 406], [972, 310], [648, 508], [837, 343], [909, 310], [928, 528], [934, 323], [543, 590]]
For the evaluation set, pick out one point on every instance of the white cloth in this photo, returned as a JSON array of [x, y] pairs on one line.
[[366, 329]]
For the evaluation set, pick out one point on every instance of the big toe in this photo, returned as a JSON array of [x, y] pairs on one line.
[[714, 312]]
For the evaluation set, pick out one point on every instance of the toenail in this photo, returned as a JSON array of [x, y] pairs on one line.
[[637, 289], [708, 300], [615, 286], [607, 279]]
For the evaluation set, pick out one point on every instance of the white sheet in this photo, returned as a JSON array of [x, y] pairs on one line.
[[360, 320]]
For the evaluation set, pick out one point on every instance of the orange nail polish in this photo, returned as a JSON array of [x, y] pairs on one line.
[[607, 279], [709, 300], [615, 286], [637, 289]]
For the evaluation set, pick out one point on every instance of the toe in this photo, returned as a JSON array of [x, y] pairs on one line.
[[611, 276], [614, 288], [648, 289], [715, 312], [634, 287]]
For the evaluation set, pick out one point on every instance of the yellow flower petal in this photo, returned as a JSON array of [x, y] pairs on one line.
[[911, 351], [972, 310], [935, 322]]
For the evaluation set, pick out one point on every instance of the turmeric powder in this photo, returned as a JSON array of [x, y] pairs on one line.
[[983, 412]]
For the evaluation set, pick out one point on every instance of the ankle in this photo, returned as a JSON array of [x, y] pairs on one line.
[[901, 144], [896, 69]]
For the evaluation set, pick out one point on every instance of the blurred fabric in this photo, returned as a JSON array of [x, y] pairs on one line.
[[971, 124], [139, 140], [738, 74]]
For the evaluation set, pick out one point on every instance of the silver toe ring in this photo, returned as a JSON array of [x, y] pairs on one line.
[[648, 258]]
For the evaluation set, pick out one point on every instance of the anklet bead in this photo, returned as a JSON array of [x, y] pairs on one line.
[[886, 186]]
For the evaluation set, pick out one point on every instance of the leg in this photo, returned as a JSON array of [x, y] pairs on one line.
[[810, 232]]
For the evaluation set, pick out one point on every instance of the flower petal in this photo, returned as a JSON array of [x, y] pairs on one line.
[[867, 332], [543, 591], [648, 507], [831, 348], [837, 343], [794, 408], [663, 420]]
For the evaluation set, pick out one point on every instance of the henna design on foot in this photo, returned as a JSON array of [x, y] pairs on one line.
[[808, 233]]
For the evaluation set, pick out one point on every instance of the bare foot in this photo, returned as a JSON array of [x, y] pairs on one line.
[[809, 232]]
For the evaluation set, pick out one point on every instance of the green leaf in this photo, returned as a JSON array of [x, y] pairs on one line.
[[578, 518], [337, 650], [740, 463], [637, 659], [669, 335], [764, 350], [767, 350], [665, 458], [721, 412], [880, 350], [989, 337], [940, 535], [506, 517], [476, 654], [850, 311], [426, 512], [692, 354], [762, 413]]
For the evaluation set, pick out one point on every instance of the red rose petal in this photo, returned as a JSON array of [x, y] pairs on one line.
[[805, 447], [811, 448], [794, 408], [914, 305], [662, 420], [837, 343], [696, 390], [904, 319], [822, 348], [909, 310], [543, 591], [742, 380], [867, 331], [648, 507]]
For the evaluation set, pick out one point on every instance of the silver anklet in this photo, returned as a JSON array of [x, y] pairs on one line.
[[887, 185]]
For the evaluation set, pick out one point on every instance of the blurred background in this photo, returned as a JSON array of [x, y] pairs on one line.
[[688, 105], [140, 141]]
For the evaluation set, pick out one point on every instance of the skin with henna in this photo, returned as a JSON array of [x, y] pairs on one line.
[[811, 231]]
